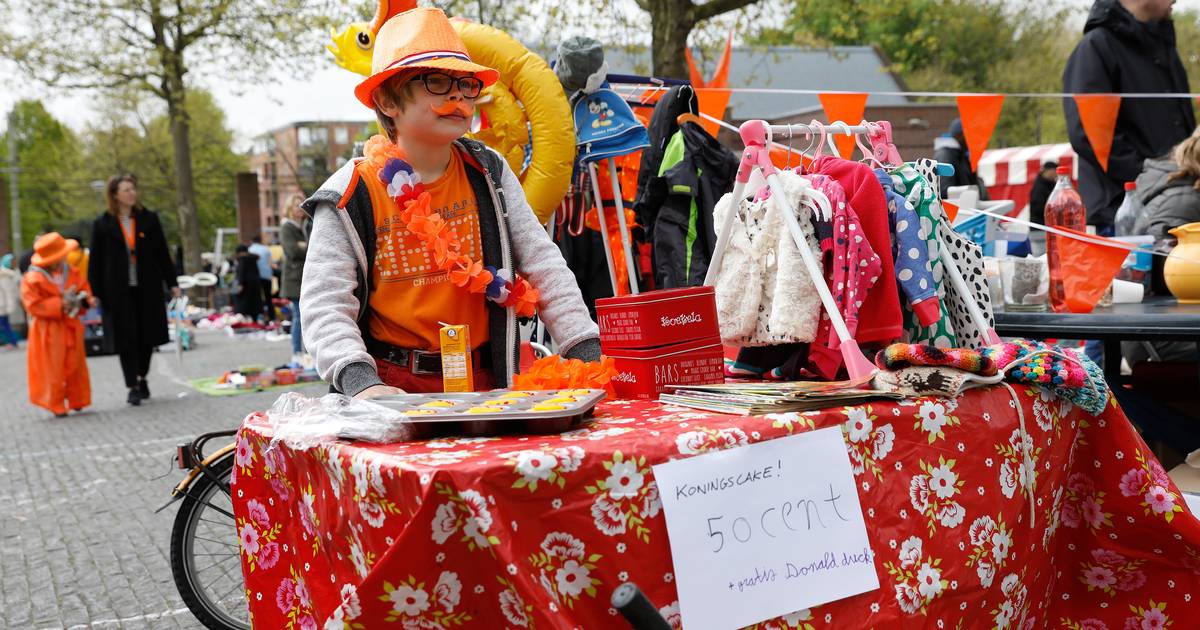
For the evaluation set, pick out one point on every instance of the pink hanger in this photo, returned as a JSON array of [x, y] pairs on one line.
[[821, 144], [881, 141], [868, 153]]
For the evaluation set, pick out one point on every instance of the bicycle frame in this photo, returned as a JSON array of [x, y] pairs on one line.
[[191, 457]]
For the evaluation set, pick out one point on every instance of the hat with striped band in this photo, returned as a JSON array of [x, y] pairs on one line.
[[419, 39]]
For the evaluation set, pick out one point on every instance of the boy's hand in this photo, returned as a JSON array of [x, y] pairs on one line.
[[375, 391]]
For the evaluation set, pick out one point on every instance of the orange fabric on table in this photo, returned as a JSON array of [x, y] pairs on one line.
[[409, 295], [56, 362]]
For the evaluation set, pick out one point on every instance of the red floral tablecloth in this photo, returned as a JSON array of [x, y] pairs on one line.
[[974, 521]]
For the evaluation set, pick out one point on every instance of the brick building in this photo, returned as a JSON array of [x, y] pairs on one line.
[[294, 160]]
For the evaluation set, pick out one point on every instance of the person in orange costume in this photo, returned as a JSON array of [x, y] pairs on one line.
[[55, 295]]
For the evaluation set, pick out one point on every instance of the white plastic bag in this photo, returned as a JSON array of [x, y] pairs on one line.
[[302, 422]]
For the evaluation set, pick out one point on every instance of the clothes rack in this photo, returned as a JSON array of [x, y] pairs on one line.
[[757, 135]]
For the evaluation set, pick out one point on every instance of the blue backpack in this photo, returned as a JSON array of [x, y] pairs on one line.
[[606, 127]]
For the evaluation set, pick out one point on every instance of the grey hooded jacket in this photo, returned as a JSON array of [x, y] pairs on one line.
[[337, 273], [1168, 204]]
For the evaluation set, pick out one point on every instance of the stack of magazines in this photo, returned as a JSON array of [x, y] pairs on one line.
[[752, 399]]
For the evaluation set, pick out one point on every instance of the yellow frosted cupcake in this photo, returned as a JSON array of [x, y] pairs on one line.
[[548, 406], [438, 404], [482, 410]]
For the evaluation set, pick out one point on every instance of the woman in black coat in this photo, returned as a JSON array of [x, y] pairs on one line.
[[129, 269], [247, 293]]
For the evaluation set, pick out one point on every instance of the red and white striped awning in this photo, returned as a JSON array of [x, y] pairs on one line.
[[1009, 173], [1016, 166]]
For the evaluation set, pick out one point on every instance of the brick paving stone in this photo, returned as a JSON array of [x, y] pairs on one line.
[[80, 545]]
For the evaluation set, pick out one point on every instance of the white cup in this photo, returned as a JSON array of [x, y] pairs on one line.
[[1124, 292]]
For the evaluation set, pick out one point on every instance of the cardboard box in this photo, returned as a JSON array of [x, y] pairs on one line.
[[658, 318], [645, 373]]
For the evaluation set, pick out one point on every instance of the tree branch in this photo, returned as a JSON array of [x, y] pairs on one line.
[[717, 7]]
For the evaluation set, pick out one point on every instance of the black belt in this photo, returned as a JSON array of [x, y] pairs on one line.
[[421, 361]]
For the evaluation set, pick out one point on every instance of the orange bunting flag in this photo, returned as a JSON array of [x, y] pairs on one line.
[[848, 108], [711, 96], [1088, 267], [979, 113], [951, 210], [1098, 113]]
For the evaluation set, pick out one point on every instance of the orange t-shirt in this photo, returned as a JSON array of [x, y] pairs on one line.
[[410, 296]]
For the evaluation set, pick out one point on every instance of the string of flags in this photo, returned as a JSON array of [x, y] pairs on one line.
[[979, 112]]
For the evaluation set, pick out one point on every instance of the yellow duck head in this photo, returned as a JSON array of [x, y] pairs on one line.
[[352, 47]]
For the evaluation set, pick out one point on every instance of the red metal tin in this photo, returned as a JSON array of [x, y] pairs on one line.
[[658, 318], [646, 373]]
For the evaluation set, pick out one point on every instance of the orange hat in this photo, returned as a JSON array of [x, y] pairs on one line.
[[51, 248], [418, 38]]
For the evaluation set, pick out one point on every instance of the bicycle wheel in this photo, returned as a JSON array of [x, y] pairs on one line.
[[205, 557]]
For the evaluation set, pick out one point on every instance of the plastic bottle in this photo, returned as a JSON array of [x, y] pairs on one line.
[[1129, 212], [1137, 266], [1064, 209]]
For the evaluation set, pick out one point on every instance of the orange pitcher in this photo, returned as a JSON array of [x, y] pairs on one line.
[[1182, 271]]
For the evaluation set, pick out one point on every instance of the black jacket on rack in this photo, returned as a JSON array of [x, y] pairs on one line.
[[680, 99], [677, 209]]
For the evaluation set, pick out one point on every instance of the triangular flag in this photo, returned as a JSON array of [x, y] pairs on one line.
[[847, 108], [720, 78], [1098, 113], [694, 75], [1088, 267], [951, 210], [712, 99], [979, 113]]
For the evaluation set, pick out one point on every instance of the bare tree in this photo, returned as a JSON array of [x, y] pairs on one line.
[[158, 46]]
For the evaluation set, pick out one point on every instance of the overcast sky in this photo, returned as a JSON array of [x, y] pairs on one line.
[[326, 94]]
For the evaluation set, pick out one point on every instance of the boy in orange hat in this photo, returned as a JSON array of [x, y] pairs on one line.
[[429, 227], [55, 295]]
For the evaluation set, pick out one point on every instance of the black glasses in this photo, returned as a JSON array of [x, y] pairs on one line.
[[438, 84]]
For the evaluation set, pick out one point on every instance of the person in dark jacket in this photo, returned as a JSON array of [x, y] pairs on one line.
[[1043, 185], [1040, 193], [247, 291], [951, 149], [1128, 46], [293, 233], [129, 269]]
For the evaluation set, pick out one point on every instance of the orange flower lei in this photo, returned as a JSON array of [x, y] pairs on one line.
[[417, 216]]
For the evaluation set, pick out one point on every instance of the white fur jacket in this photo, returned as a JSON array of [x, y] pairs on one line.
[[764, 293]]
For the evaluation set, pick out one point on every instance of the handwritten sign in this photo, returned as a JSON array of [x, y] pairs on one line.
[[765, 530]]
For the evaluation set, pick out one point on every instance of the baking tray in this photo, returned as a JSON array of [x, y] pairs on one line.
[[494, 413]]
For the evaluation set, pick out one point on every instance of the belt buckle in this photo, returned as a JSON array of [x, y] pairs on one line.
[[418, 358]]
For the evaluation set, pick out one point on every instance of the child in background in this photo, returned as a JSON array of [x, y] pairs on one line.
[[428, 228], [10, 300], [56, 295]]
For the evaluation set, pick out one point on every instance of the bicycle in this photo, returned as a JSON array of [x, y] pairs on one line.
[[205, 556]]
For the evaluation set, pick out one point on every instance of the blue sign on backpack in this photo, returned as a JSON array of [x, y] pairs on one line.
[[606, 127]]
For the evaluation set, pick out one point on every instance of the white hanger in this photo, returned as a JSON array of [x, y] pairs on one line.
[[815, 200]]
